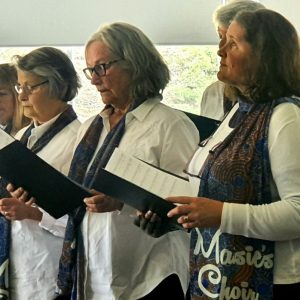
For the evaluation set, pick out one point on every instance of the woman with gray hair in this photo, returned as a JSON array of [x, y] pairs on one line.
[[30, 238], [105, 256], [218, 99]]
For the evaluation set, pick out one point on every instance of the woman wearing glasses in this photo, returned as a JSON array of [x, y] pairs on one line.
[[31, 239], [11, 112], [117, 261]]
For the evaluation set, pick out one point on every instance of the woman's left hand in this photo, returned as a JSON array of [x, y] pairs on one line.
[[196, 211], [102, 203], [151, 224]]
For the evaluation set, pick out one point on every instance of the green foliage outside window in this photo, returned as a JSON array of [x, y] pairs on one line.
[[193, 68]]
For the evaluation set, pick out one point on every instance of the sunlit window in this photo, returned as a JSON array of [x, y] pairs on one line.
[[193, 68]]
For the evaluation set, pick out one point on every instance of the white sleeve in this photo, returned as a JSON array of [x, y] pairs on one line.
[[55, 226], [180, 142], [279, 220], [211, 104]]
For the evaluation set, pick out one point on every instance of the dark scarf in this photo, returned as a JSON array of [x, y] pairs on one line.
[[238, 171], [71, 273], [227, 105], [60, 123], [8, 128]]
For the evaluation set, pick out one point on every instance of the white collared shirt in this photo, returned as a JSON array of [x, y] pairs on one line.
[[122, 262], [36, 247], [212, 102]]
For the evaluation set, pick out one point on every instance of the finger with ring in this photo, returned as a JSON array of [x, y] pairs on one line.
[[186, 218]]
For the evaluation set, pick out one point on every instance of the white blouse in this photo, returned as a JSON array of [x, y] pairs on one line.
[[212, 102], [121, 261], [36, 247]]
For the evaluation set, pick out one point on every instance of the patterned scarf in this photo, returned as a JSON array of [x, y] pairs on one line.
[[225, 266], [5, 225], [71, 273]]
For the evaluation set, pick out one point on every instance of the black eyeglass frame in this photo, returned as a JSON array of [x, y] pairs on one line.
[[29, 88], [99, 69]]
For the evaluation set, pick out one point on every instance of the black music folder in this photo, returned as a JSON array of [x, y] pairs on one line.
[[54, 192], [132, 194], [206, 126], [59, 195], [142, 185]]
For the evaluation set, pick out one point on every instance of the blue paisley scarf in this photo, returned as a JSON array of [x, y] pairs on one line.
[[225, 266], [60, 123], [71, 268]]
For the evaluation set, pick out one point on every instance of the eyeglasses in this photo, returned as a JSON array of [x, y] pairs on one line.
[[28, 89], [99, 69]]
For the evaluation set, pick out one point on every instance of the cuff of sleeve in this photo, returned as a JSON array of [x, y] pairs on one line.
[[127, 210], [47, 220], [234, 218]]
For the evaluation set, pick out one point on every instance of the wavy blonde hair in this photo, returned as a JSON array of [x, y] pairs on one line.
[[8, 79]]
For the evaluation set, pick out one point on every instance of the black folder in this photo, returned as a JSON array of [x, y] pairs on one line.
[[135, 196], [55, 192], [59, 195], [206, 126]]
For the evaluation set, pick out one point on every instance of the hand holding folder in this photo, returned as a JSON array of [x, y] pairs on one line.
[[126, 178], [54, 192], [142, 186]]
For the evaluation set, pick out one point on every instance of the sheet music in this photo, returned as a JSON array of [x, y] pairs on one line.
[[5, 139], [148, 177]]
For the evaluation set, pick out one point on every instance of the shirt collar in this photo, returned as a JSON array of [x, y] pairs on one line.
[[139, 113], [40, 129]]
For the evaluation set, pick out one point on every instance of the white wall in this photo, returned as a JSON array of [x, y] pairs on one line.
[[289, 8], [70, 22]]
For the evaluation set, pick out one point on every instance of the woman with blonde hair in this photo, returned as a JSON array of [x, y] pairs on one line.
[[11, 113]]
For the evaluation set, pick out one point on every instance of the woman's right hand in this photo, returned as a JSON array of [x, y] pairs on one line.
[[16, 209], [20, 194], [19, 206], [151, 224]]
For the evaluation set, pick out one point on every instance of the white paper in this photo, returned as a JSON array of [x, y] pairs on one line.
[[148, 177]]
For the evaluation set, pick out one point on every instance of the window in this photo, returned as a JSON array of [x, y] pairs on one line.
[[192, 68]]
